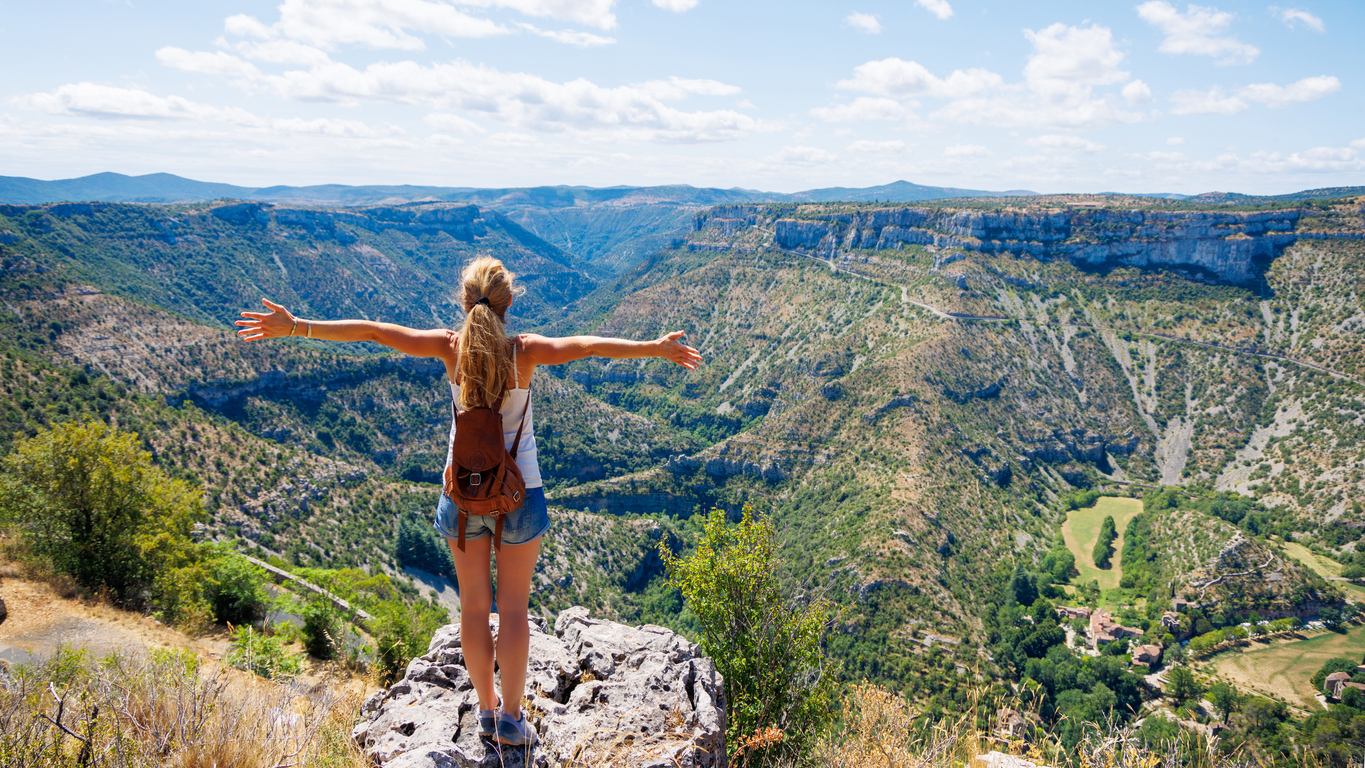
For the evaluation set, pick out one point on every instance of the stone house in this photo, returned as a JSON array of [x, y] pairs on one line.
[[1335, 684], [1146, 656], [1104, 630], [1066, 612], [1009, 724]]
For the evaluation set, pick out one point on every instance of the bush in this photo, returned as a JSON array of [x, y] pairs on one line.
[[266, 656], [236, 589], [402, 633], [322, 629], [765, 642], [86, 501]]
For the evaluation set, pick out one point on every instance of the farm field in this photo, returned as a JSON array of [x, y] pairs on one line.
[[1324, 567], [1282, 670], [1082, 529]]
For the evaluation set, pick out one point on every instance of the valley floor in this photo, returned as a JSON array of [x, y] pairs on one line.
[[1282, 669]]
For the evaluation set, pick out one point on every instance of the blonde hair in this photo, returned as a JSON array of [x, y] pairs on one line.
[[485, 352]]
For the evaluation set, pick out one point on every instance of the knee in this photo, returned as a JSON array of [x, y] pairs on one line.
[[475, 610]]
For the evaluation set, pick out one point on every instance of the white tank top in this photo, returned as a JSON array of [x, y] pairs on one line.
[[512, 405]]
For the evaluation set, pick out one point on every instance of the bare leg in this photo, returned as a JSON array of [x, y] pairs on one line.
[[476, 600], [516, 564]]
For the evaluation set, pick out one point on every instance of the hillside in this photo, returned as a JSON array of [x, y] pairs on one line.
[[909, 390], [1209, 562]]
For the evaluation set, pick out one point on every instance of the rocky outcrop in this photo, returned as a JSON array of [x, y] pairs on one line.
[[1063, 445], [462, 222], [1233, 246], [600, 693]]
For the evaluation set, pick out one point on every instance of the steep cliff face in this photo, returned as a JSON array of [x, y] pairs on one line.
[[1233, 246]]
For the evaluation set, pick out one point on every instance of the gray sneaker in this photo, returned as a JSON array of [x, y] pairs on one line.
[[488, 722], [518, 733]]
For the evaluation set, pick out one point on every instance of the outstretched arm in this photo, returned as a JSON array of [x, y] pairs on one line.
[[548, 351], [281, 323]]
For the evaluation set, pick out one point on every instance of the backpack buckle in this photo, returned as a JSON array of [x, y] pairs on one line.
[[516, 496], [475, 478]]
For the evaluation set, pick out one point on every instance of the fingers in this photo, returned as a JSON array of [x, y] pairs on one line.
[[273, 306]]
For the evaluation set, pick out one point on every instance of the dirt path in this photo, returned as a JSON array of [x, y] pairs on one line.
[[40, 621]]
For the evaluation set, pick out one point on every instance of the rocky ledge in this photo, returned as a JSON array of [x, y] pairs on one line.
[[598, 693]]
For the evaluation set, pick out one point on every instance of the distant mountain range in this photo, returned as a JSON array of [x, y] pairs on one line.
[[168, 188]]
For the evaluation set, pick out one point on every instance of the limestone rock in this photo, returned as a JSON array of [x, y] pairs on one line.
[[600, 693]]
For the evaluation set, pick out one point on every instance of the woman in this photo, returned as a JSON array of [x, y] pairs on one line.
[[481, 363]]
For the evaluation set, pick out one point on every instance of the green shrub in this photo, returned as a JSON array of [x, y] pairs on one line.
[[85, 500], [236, 589], [402, 633], [265, 655], [764, 641], [322, 629]]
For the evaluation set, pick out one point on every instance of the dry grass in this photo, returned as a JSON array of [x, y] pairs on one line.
[[125, 711], [880, 728]]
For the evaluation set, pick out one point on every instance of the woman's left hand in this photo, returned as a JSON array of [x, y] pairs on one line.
[[678, 352], [275, 324]]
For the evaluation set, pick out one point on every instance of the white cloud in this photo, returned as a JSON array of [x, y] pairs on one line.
[[1174, 141], [939, 8], [677, 6], [1315, 160], [637, 112], [1065, 59], [513, 140], [400, 24], [1358, 144], [1059, 142], [330, 128], [1280, 96], [966, 150], [103, 101], [1060, 78], [864, 22], [1199, 30], [1216, 101], [1136, 93], [802, 155], [879, 147], [862, 109], [578, 38], [274, 52], [445, 121], [898, 78], [205, 63], [1291, 16]]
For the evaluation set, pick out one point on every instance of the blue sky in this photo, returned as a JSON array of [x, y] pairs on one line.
[[1152, 96]]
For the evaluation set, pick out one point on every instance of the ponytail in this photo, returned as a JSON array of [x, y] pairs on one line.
[[485, 352]]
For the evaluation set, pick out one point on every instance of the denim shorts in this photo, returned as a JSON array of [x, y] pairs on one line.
[[519, 526]]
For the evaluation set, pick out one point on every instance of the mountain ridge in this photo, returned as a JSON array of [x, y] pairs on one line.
[[169, 188]]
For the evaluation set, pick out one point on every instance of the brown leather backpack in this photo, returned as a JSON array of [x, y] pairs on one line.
[[483, 477]]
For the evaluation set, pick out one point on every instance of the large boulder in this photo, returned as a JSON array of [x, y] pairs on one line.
[[599, 693]]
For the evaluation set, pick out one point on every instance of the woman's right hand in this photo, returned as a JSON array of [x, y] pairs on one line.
[[275, 324], [672, 348]]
